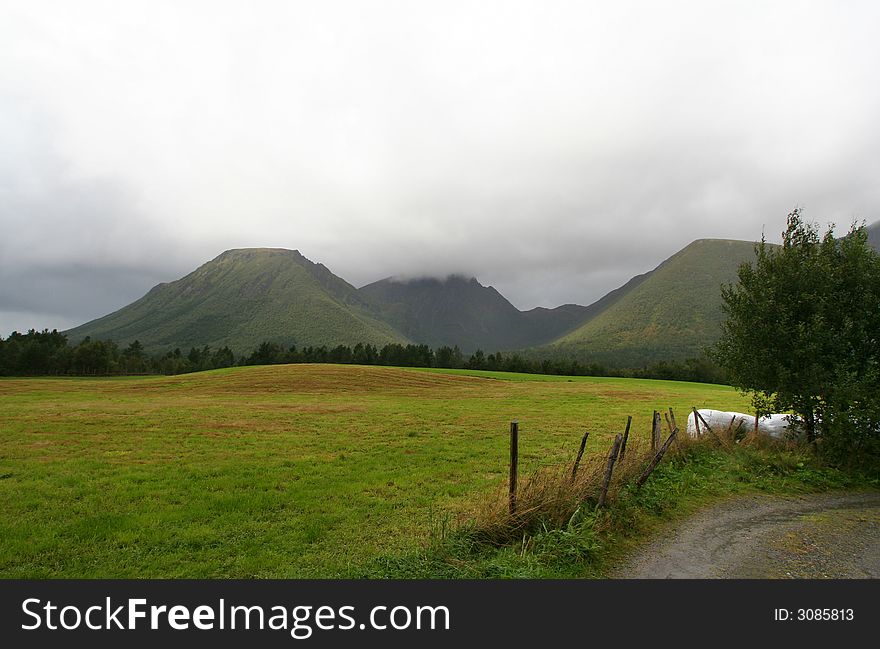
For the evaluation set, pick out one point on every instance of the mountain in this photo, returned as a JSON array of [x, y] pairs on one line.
[[451, 311], [242, 298], [580, 315], [672, 313], [246, 296], [874, 235], [460, 311]]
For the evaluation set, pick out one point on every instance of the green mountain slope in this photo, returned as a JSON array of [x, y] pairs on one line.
[[242, 298], [460, 311], [570, 316], [874, 235], [672, 314]]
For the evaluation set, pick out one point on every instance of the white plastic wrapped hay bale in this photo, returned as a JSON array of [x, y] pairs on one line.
[[719, 420], [775, 425]]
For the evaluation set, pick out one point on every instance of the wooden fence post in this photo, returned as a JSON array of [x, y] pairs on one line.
[[655, 432], [609, 469], [705, 423], [514, 457], [730, 433], [697, 422], [580, 454], [657, 458], [629, 420]]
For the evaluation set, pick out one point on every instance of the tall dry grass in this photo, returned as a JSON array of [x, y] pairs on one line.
[[550, 499]]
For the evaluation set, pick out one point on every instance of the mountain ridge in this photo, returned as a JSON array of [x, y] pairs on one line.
[[873, 231], [672, 314], [457, 310], [242, 297], [245, 296]]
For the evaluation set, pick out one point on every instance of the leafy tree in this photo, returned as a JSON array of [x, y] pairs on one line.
[[223, 357], [266, 354], [173, 362], [96, 357], [448, 357], [340, 354], [365, 354], [802, 335], [477, 361], [133, 358]]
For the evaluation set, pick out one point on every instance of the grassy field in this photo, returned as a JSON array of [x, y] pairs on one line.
[[280, 471]]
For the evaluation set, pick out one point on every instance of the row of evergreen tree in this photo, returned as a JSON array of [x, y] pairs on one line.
[[48, 353]]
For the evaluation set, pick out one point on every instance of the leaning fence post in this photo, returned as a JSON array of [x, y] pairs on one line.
[[609, 469], [705, 423], [657, 458], [580, 454], [625, 437], [697, 422], [730, 433], [514, 457]]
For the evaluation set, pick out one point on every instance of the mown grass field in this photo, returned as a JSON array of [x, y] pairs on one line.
[[280, 471]]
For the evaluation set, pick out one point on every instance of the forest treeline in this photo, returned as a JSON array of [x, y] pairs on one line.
[[49, 353]]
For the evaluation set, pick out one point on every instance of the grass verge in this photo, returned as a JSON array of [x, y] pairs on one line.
[[562, 534]]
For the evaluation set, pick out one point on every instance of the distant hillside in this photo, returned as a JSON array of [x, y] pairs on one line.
[[461, 311], [672, 314], [242, 298], [874, 235], [579, 315]]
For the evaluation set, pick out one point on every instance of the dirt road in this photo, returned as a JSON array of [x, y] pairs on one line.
[[814, 536]]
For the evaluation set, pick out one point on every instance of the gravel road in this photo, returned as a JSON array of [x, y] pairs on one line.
[[755, 537]]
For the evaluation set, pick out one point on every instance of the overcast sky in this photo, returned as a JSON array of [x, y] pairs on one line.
[[553, 149]]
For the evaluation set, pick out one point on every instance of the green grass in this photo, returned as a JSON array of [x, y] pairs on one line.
[[589, 545], [281, 471]]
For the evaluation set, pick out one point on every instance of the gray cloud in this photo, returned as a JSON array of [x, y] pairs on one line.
[[551, 149]]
